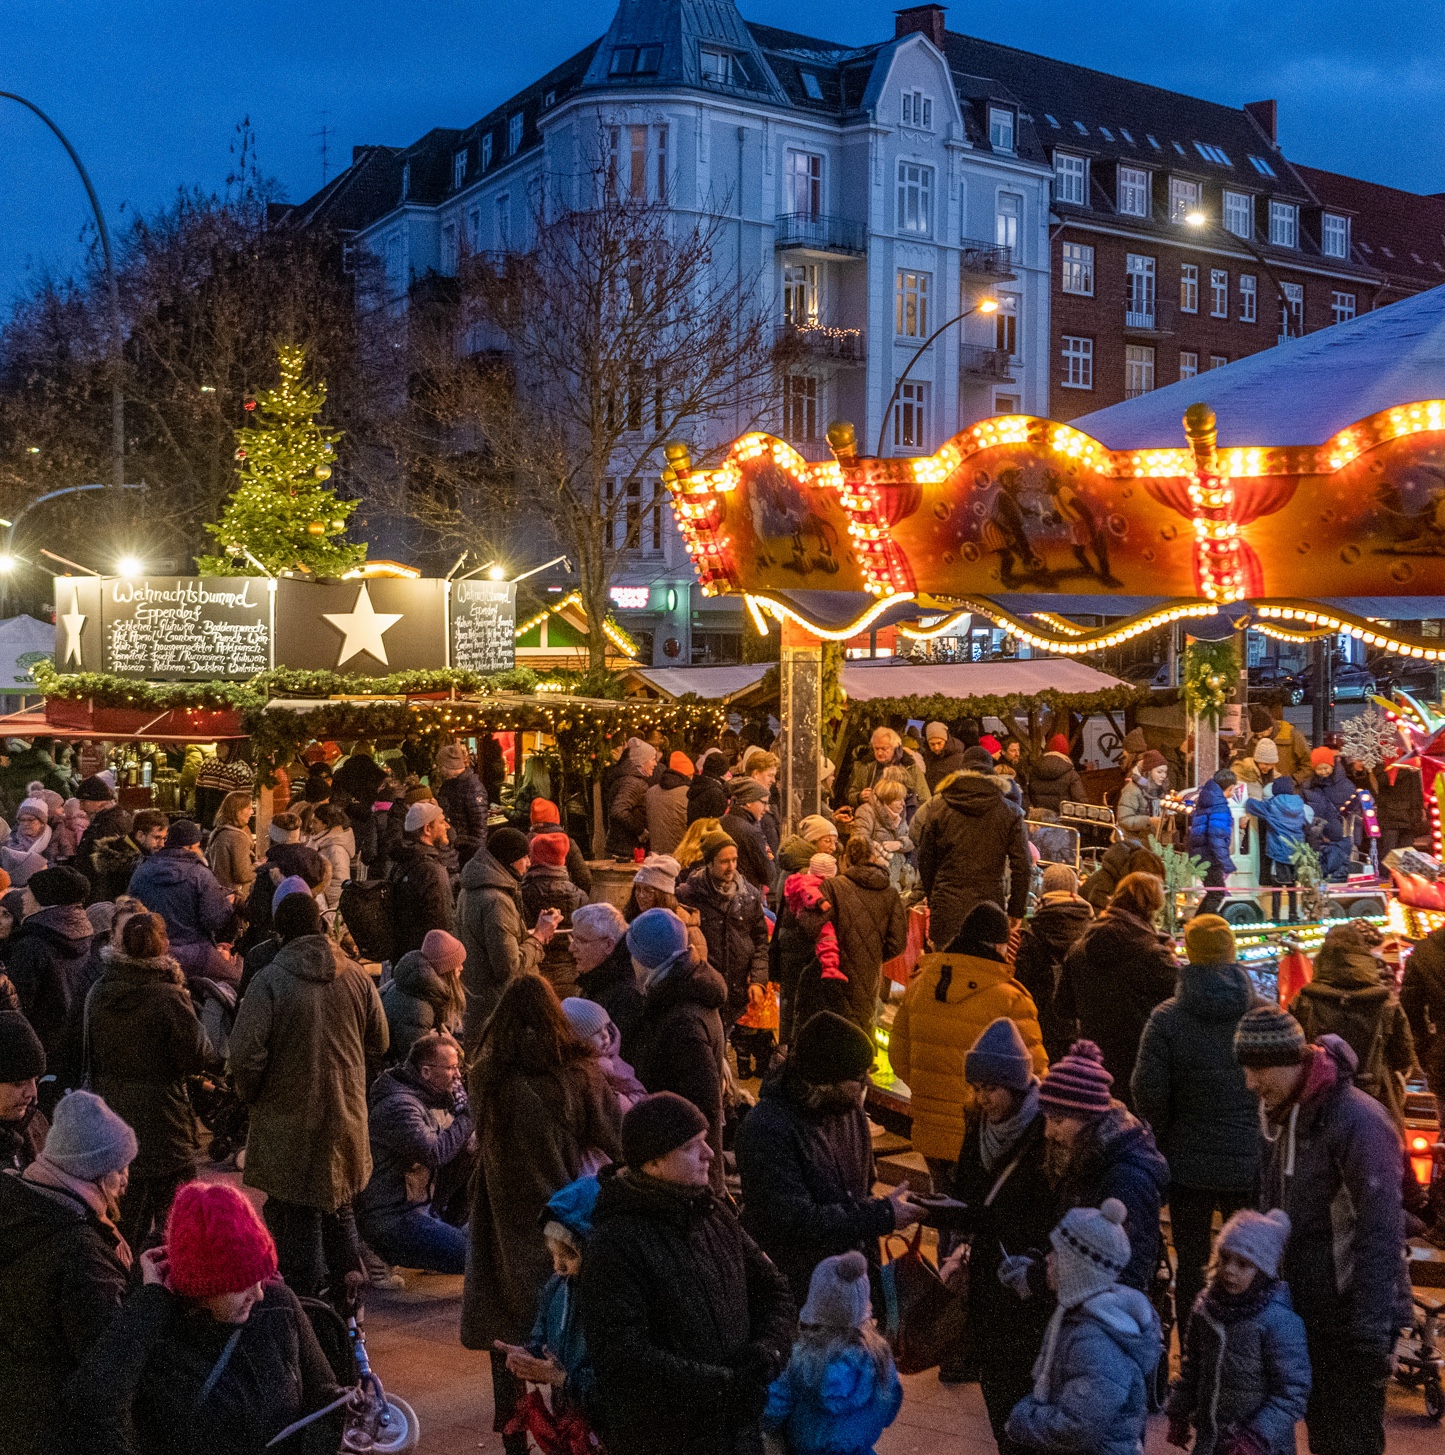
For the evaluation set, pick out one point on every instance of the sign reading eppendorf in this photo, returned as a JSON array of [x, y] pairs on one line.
[[184, 628], [484, 625]]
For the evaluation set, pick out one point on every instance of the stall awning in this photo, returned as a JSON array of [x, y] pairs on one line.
[[717, 684], [865, 680]]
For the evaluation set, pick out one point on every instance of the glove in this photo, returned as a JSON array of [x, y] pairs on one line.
[[1013, 1273], [459, 1101], [1179, 1431]]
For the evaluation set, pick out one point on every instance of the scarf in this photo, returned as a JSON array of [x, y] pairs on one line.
[[27, 845], [44, 1173], [995, 1139], [1230, 1308]]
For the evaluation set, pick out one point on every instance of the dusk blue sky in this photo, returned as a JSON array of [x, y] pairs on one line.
[[150, 92]]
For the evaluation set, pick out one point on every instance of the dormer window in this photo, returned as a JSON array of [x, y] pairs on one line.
[[1283, 224], [812, 86], [1335, 236], [514, 134], [1183, 198], [635, 60], [918, 110], [459, 169], [486, 151], [1133, 198], [1071, 179], [725, 68], [1001, 128], [405, 180]]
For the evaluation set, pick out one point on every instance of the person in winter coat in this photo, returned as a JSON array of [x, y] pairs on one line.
[[63, 1267], [1188, 1087], [31, 833], [421, 883], [1121, 858], [1285, 816], [418, 1123], [1100, 1348], [1048, 935], [733, 924], [304, 1034], [46, 960], [1290, 744], [1054, 780], [1399, 806], [1350, 997], [627, 806], [425, 993], [336, 843], [231, 852], [942, 754], [1422, 998], [805, 1156], [707, 792], [22, 1064], [882, 821], [742, 823], [665, 803], [1211, 831], [1096, 1148], [804, 945], [178, 885], [360, 777], [1138, 810], [1119, 970], [680, 1044], [544, 1117], [1326, 831], [462, 798], [142, 1041], [592, 1024], [213, 1354], [604, 968], [688, 1320], [545, 886], [1244, 1372], [886, 751], [815, 835], [107, 854], [1333, 1162], [544, 817], [841, 1389], [972, 848], [490, 925], [952, 999]]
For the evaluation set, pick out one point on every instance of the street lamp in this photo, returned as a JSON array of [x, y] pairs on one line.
[[130, 567], [984, 305], [1198, 219]]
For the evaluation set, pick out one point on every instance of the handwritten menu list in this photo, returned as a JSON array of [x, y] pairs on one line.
[[185, 628], [484, 625]]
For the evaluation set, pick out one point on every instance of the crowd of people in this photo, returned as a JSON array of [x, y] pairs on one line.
[[545, 1093]]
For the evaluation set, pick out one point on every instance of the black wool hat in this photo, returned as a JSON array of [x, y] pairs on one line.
[[507, 845], [21, 1054], [58, 885], [658, 1125], [183, 833], [984, 924], [831, 1048], [94, 790]]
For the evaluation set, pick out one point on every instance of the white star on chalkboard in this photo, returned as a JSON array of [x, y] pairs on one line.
[[72, 621], [363, 627]]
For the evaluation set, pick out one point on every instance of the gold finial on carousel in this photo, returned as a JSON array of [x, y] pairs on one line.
[[1201, 430], [679, 461], [843, 441]]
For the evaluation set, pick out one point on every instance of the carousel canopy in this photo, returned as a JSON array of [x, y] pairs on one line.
[[867, 680], [1302, 392]]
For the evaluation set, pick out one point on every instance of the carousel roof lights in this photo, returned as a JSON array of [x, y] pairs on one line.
[[780, 610]]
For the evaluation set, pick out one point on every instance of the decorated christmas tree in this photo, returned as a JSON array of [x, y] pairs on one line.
[[283, 513]]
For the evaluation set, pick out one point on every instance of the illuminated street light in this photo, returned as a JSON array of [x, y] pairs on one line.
[[497, 573], [7, 563], [130, 566], [1198, 219]]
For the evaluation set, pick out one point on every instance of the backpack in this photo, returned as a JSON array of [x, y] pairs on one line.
[[365, 906]]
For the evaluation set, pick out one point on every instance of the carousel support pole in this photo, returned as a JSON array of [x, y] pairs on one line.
[[1319, 708], [801, 709]]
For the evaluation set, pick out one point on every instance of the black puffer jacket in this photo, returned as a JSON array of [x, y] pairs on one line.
[[807, 1182], [421, 896], [687, 1320], [613, 985], [285, 859], [1422, 996], [464, 801], [47, 960], [937, 766], [1044, 944], [707, 794], [755, 860], [736, 931], [972, 848], [107, 855], [1053, 781]]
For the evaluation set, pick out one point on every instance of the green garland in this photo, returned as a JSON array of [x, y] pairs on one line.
[[1211, 673], [941, 707]]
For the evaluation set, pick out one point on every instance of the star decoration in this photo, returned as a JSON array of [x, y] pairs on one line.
[[363, 628], [72, 621]]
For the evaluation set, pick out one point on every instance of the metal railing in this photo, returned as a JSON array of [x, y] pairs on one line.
[[1150, 316], [985, 362], [821, 233], [986, 260], [819, 341]]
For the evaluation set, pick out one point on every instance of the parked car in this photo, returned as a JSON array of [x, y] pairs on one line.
[[1349, 683], [1269, 681], [1408, 674]]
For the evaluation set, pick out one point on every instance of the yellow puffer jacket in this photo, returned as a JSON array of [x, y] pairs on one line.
[[930, 1038]]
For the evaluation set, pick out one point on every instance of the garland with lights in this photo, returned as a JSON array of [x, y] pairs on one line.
[[940, 707], [1211, 673]]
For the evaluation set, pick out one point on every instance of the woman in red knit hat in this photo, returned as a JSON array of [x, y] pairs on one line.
[[212, 1355]]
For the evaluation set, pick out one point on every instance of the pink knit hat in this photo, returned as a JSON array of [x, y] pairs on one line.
[[442, 950], [1077, 1084], [215, 1242]]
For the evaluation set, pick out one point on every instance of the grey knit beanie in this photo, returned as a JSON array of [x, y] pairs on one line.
[[87, 1139], [838, 1293]]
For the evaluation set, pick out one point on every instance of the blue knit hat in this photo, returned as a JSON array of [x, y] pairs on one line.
[[999, 1058], [292, 884], [658, 942]]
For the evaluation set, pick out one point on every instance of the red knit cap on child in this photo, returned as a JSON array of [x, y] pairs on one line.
[[1077, 1084], [543, 810], [551, 850], [216, 1243]]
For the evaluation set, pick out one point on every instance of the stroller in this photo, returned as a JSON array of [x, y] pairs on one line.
[[215, 1102]]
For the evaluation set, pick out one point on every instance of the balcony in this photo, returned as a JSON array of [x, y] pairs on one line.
[[827, 237], [979, 361], [1148, 318], [986, 260], [818, 342]]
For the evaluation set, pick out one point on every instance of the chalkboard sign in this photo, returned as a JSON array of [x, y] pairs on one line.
[[484, 625], [186, 628]]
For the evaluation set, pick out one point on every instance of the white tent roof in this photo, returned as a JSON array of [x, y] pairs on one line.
[[1302, 392], [22, 640], [716, 683], [866, 679]]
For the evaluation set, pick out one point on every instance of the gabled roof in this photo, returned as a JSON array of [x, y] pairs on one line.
[[1400, 233]]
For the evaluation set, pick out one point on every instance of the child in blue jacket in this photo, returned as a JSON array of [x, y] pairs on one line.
[[1211, 828], [1285, 815], [840, 1390]]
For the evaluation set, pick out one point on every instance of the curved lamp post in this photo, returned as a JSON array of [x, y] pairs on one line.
[[984, 305], [1198, 219]]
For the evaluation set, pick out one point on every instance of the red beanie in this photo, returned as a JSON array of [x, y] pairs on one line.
[[1059, 744], [991, 745], [215, 1242], [545, 811], [550, 849], [681, 763]]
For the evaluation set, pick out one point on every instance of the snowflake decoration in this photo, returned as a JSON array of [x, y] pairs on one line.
[[1371, 739]]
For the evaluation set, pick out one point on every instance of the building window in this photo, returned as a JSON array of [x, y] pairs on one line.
[[637, 161], [913, 288], [1188, 364], [1006, 324], [800, 408], [1078, 363], [486, 151], [1001, 128], [915, 198], [1188, 288], [918, 110], [800, 294], [1239, 213], [909, 416], [1283, 224], [1005, 404], [635, 60], [1218, 361], [1140, 307], [504, 222], [514, 135], [1076, 269], [1071, 179], [459, 169], [405, 180], [1009, 210], [803, 179], [1261, 166], [474, 230], [1248, 298], [1183, 198], [1218, 293], [629, 149], [1138, 370], [715, 65], [1335, 236], [1292, 311], [660, 134], [633, 527], [1342, 306], [1133, 192], [812, 86], [449, 248]]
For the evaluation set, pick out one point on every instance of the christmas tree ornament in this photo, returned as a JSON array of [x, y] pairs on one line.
[[249, 405], [241, 454], [323, 472], [317, 528]]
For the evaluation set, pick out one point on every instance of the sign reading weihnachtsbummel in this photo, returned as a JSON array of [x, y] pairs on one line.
[[484, 625]]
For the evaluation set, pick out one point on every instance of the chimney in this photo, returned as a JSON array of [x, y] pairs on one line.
[[1265, 115], [920, 20]]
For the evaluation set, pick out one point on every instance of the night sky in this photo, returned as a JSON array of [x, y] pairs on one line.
[[150, 93]]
